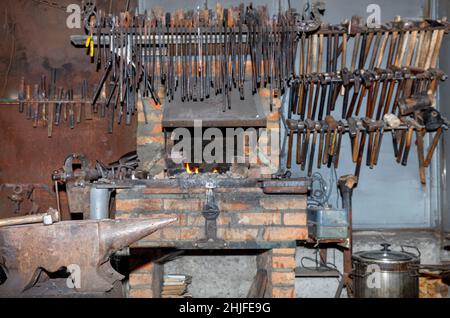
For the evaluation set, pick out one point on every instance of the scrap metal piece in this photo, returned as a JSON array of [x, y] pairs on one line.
[[28, 250]]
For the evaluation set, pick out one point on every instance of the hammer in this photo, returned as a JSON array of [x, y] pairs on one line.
[[47, 218]]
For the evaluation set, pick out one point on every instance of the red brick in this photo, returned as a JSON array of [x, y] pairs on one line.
[[154, 117], [274, 116], [259, 218], [122, 216], [148, 267], [143, 140], [283, 262], [234, 206], [181, 217], [156, 129], [283, 203], [284, 251], [191, 233], [264, 92], [159, 139], [139, 279], [182, 233], [273, 124], [144, 204], [237, 234], [285, 234], [183, 205], [155, 236], [297, 218], [283, 278], [199, 220], [283, 292], [140, 293]]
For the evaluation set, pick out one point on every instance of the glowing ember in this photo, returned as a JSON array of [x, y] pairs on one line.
[[189, 170]]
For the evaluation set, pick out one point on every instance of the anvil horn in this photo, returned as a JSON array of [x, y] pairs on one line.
[[116, 235]]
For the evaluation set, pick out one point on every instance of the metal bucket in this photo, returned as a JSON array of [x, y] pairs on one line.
[[386, 274]]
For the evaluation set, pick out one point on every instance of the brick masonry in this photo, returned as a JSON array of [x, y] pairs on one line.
[[249, 219], [246, 217]]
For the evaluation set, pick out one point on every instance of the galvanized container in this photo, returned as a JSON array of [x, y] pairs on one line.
[[386, 274], [99, 203], [327, 223]]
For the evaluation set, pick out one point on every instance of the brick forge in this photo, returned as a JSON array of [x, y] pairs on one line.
[[250, 220]]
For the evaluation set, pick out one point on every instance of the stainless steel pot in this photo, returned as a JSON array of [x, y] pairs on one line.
[[385, 273]]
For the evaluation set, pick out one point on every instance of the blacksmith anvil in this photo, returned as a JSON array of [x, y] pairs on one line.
[[28, 250]]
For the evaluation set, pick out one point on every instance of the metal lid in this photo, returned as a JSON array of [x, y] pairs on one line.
[[385, 255]]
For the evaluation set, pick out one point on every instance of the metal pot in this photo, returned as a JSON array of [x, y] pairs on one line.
[[386, 274]]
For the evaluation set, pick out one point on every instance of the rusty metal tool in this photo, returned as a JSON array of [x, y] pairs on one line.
[[324, 128], [356, 91], [392, 47], [317, 128], [370, 127], [353, 130], [376, 45], [309, 128], [412, 124], [433, 146], [35, 114], [394, 123], [377, 143], [316, 80], [387, 82], [337, 152], [290, 146], [420, 156], [346, 86], [330, 140], [301, 127], [312, 90], [382, 49], [415, 103], [360, 152], [324, 80]]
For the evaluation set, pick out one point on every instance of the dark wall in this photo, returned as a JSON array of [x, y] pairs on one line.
[[34, 40]]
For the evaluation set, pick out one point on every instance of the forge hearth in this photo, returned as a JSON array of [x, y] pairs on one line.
[[222, 210], [248, 219]]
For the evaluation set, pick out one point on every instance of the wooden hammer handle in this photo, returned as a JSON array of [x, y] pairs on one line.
[[30, 219]]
